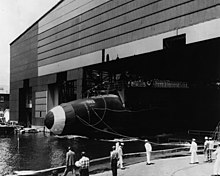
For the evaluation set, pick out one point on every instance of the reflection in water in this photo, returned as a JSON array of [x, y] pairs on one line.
[[40, 151], [29, 152]]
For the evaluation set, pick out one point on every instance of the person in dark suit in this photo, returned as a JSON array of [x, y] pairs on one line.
[[70, 162], [114, 161]]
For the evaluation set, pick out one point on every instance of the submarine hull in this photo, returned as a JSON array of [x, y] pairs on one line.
[[105, 116]]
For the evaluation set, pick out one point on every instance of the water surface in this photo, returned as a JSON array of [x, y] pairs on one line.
[[42, 151]]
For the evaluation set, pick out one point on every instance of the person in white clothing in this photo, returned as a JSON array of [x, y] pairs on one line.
[[210, 149], [117, 146], [120, 155], [216, 167], [193, 151], [148, 148], [206, 146]]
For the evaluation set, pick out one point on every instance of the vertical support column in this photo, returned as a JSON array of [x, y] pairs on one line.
[[76, 74]]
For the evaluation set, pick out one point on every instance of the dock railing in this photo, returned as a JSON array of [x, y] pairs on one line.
[[178, 151]]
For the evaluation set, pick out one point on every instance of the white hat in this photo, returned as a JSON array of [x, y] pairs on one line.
[[193, 139], [206, 137], [146, 140], [77, 163]]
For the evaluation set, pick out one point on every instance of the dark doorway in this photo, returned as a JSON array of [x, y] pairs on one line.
[[25, 105]]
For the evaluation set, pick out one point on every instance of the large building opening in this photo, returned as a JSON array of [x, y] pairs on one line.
[[177, 87]]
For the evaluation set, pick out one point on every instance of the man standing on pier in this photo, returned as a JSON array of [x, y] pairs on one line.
[[114, 161], [70, 162], [206, 146], [148, 148], [216, 168], [210, 149], [193, 151], [120, 155]]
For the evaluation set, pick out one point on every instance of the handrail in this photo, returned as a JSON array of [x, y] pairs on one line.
[[94, 161]]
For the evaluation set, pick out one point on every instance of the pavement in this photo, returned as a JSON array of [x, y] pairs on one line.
[[177, 166], [171, 166]]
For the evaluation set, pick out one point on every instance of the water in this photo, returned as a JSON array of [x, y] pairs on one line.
[[40, 151]]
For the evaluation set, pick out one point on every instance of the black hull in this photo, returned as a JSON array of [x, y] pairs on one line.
[[177, 111]]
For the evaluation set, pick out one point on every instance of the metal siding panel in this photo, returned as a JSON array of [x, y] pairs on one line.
[[99, 35], [40, 108], [14, 95], [23, 67], [25, 74], [15, 85], [86, 24], [60, 42], [23, 59], [89, 44], [59, 50], [45, 80], [68, 12], [40, 101], [59, 36], [24, 47], [58, 58], [14, 115], [41, 94], [26, 35], [33, 82], [13, 105], [75, 62], [37, 114], [40, 88]]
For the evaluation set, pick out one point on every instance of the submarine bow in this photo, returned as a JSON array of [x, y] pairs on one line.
[[83, 116]]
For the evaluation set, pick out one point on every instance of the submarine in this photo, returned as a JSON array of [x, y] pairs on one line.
[[88, 117], [101, 116], [162, 111]]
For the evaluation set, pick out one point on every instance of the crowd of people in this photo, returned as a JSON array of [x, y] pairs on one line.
[[209, 153], [116, 157], [116, 160]]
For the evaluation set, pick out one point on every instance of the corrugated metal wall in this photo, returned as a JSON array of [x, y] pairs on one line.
[[118, 22]]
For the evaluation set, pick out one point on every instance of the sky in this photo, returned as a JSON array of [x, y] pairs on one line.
[[15, 17]]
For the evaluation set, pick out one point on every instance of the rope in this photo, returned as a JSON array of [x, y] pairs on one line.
[[125, 110], [115, 133], [101, 119], [87, 124], [103, 115]]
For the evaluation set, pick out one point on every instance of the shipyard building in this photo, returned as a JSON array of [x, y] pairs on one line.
[[155, 54]]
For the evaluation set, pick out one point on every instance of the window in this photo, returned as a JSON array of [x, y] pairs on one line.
[[174, 42], [67, 91]]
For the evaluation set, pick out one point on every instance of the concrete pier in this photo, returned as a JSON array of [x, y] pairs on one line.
[[170, 162], [178, 166]]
